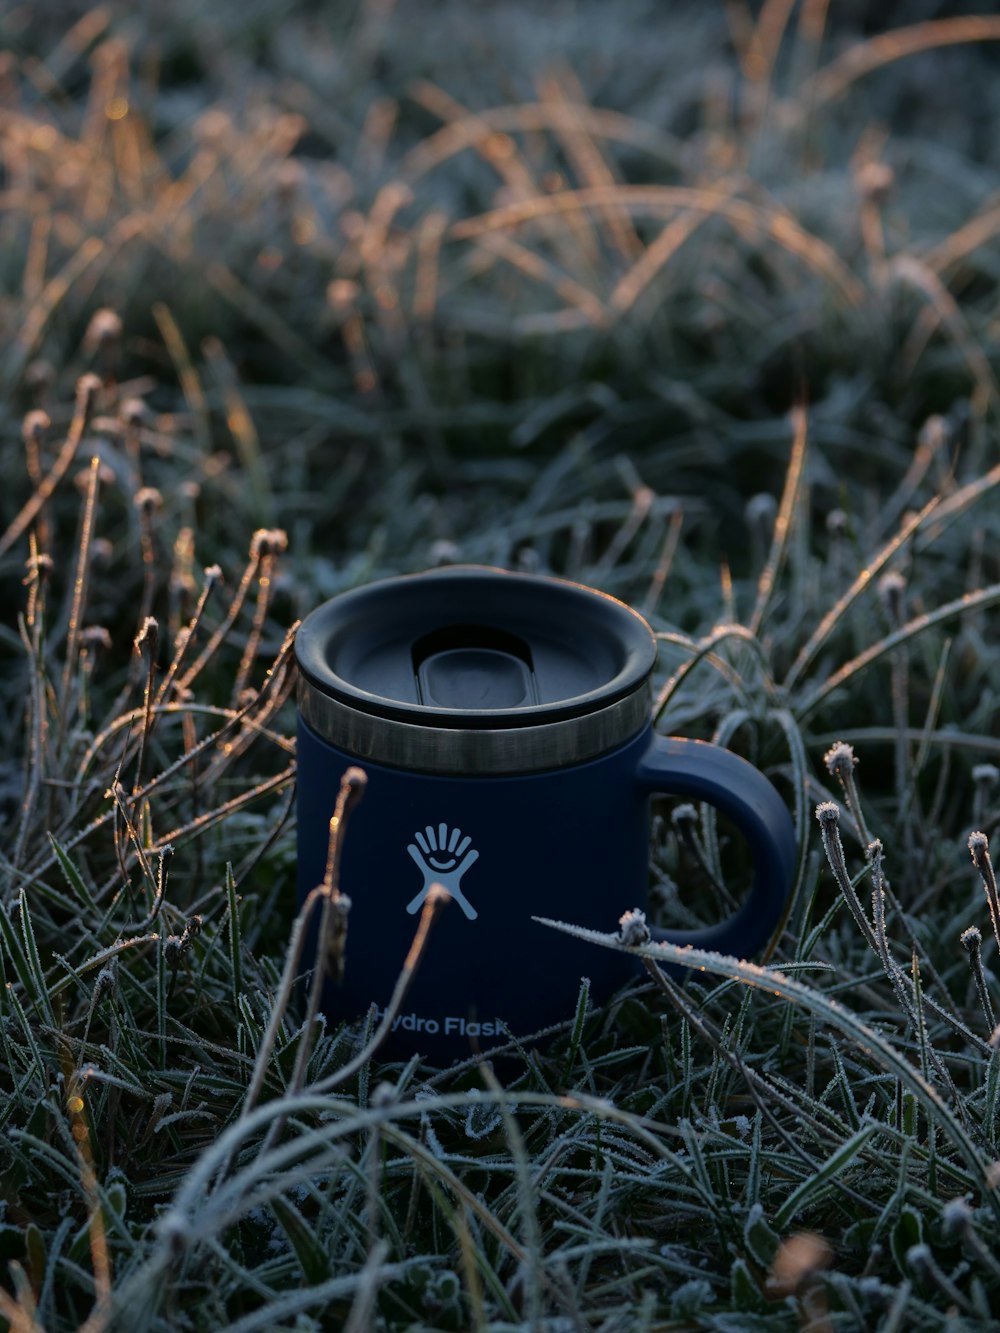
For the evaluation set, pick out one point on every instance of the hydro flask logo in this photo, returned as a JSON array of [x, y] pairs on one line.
[[443, 857]]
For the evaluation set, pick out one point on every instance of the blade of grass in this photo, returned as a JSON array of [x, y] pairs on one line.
[[831, 1012], [783, 522]]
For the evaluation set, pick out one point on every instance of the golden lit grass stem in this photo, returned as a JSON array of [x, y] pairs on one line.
[[241, 427], [464, 132], [36, 731], [703, 652], [213, 575], [86, 391], [765, 41], [583, 150], [331, 936], [20, 1314], [863, 57], [80, 583], [972, 601], [430, 235], [253, 727], [195, 827], [146, 643], [276, 676], [784, 520], [963, 241], [265, 575], [433, 905], [864, 580], [194, 394], [36, 319], [947, 312], [332, 924], [535, 266], [220, 634], [658, 254], [753, 221], [100, 1254], [663, 566]]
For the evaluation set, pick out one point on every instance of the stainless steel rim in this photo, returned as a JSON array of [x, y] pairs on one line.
[[473, 752]]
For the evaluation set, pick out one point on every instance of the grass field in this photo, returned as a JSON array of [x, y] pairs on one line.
[[694, 303]]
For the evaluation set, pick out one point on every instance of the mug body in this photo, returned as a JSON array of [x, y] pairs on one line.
[[503, 723], [569, 843]]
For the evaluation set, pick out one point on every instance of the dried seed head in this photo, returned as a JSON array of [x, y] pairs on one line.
[[148, 637], [172, 950], [39, 566], [828, 814], [94, 637], [174, 1230], [934, 433], [87, 389], [107, 981], [437, 897], [920, 1256], [956, 1215], [972, 939], [632, 928], [39, 375], [979, 846], [188, 935], [892, 590], [761, 510], [268, 541], [134, 412], [875, 181], [105, 328], [840, 761], [213, 575], [102, 551], [36, 426], [148, 499], [383, 1094], [986, 775]]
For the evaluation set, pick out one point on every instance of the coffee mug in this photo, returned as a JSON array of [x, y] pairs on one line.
[[503, 722]]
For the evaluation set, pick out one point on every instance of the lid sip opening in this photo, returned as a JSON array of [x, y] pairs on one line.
[[474, 666]]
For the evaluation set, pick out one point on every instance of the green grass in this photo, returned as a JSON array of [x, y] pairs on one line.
[[695, 308]]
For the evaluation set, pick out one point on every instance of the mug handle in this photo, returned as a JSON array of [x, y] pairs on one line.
[[675, 766]]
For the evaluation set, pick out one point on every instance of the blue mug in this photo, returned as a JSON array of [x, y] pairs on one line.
[[503, 723]]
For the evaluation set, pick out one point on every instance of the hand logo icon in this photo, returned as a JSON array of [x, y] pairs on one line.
[[443, 856]]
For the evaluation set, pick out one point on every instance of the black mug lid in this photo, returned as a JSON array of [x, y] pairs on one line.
[[468, 646]]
